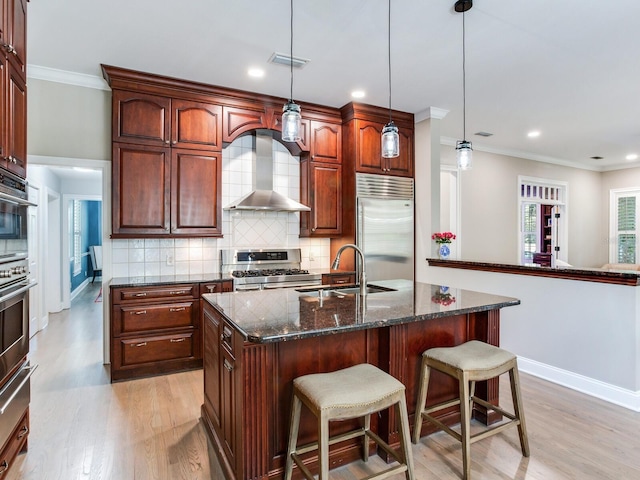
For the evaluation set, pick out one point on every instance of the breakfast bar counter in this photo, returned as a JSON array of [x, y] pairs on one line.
[[256, 343]]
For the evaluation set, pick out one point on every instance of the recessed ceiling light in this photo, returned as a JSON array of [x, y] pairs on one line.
[[632, 156], [533, 134], [256, 72], [358, 94]]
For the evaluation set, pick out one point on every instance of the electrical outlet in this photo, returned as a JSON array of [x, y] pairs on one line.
[[169, 259], [312, 256]]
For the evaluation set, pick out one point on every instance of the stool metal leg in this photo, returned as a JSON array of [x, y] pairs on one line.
[[465, 424], [323, 447], [403, 416], [514, 379], [425, 371], [293, 436]]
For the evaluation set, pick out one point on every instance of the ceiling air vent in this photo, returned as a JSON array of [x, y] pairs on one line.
[[483, 134], [284, 59]]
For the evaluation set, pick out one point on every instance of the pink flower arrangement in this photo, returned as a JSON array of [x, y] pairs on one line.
[[443, 237], [442, 298]]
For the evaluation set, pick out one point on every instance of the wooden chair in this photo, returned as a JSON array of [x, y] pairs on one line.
[[353, 392], [470, 362], [95, 251]]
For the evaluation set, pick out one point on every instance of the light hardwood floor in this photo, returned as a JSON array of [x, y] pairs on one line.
[[83, 427]]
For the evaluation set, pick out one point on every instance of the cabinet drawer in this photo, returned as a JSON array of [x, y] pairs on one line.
[[14, 445], [121, 295], [155, 349], [216, 287], [140, 318]]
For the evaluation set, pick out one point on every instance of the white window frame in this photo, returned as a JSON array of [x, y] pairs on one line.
[[548, 192], [614, 194]]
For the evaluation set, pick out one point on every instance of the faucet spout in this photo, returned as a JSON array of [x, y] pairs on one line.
[[361, 271]]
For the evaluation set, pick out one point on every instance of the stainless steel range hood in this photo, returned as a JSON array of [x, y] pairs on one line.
[[263, 197]]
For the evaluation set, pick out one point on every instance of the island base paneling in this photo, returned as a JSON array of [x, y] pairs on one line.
[[249, 434]]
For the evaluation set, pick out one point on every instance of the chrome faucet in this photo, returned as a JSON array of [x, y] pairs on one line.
[[361, 273]]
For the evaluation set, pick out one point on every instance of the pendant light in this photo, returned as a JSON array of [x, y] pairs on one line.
[[390, 137], [464, 152], [291, 118]]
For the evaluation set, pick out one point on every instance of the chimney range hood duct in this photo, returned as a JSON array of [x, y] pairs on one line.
[[263, 197]]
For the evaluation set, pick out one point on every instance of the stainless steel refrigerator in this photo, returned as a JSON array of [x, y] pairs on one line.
[[385, 225]]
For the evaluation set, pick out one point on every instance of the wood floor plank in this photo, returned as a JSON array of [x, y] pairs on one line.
[[83, 427]]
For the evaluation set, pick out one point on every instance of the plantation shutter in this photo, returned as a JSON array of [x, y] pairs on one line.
[[627, 229]]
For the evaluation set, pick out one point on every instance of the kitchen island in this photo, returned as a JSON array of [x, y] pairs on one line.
[[256, 343]]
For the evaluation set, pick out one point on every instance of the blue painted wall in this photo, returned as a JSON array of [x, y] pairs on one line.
[[91, 221]]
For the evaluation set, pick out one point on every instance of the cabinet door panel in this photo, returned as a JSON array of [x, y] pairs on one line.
[[237, 121], [140, 190], [196, 125], [326, 199], [17, 127], [326, 142], [141, 118], [195, 197], [212, 364], [17, 35], [369, 153], [4, 148], [402, 165]]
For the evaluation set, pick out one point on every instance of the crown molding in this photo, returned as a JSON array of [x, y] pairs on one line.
[[431, 112], [70, 78]]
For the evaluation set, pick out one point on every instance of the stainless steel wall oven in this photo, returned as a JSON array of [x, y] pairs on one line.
[[15, 371]]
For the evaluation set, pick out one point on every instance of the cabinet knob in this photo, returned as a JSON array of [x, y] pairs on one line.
[[174, 142], [167, 142], [23, 431], [4, 466], [313, 229]]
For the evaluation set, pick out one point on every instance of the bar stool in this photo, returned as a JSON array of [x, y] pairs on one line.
[[353, 392], [470, 362]]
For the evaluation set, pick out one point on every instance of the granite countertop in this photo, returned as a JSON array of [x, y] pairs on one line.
[[288, 314], [149, 281]]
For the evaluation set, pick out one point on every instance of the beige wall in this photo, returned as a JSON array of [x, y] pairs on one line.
[[68, 121], [489, 215]]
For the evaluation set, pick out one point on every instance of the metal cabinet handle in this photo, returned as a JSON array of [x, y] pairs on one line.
[[180, 309], [177, 340], [140, 312], [30, 371], [179, 292], [23, 431], [4, 466], [143, 294], [142, 344], [228, 365], [341, 281]]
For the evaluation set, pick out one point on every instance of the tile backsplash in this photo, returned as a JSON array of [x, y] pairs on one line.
[[257, 229]]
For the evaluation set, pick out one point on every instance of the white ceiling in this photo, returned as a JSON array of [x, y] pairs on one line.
[[569, 68]]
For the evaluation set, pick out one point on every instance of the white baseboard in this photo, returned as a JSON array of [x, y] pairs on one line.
[[610, 393]]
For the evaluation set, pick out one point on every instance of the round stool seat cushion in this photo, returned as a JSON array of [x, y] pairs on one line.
[[353, 387], [472, 355]]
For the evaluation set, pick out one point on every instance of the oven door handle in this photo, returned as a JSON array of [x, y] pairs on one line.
[[21, 290], [16, 200], [31, 369]]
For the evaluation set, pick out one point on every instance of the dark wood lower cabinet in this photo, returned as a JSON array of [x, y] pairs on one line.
[[16, 444], [248, 386], [157, 329]]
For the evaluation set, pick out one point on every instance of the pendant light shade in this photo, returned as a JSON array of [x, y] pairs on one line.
[[390, 137], [291, 122], [291, 118], [390, 141], [464, 151]]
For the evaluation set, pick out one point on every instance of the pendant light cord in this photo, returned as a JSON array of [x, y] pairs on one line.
[[389, 48], [464, 85], [291, 52]]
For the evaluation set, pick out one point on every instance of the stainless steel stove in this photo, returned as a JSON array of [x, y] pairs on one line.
[[261, 269]]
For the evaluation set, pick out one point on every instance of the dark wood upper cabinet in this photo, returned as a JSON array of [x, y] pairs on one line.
[[326, 142], [369, 151], [16, 156], [239, 120], [140, 190], [14, 40], [321, 189], [141, 118], [195, 192], [196, 125]]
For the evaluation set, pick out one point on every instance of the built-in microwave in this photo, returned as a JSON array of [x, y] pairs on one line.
[[13, 215]]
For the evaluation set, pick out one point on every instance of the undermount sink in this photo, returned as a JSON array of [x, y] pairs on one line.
[[341, 292]]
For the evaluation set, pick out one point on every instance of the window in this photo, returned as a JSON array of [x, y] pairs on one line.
[[624, 226], [77, 237], [542, 216]]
